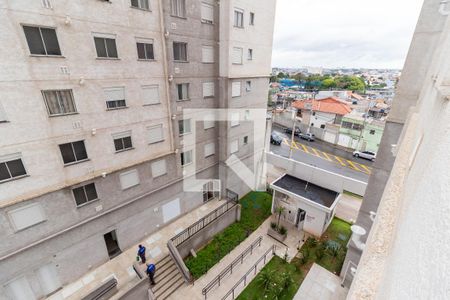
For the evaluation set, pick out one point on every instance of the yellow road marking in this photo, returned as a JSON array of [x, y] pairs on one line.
[[340, 160], [304, 148], [365, 168], [326, 156], [352, 165], [295, 145], [286, 142], [315, 152]]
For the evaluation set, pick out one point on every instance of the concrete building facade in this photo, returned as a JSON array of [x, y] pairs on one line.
[[93, 129]]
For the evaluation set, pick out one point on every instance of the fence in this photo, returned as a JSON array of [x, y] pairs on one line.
[[229, 268], [252, 269], [232, 200]]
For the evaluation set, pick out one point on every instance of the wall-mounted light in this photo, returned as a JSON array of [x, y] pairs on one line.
[[67, 20], [81, 81], [93, 131], [170, 78]]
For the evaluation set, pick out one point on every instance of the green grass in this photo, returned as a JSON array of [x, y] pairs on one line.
[[255, 209], [338, 231]]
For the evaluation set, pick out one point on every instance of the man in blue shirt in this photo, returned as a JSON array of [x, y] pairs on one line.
[[141, 253], [151, 272]]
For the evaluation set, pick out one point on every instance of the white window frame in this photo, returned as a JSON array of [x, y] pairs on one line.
[[209, 122], [122, 135], [238, 18], [234, 119], [207, 54], [185, 50], [121, 176], [248, 86], [187, 124], [108, 99], [184, 90], [146, 97], [209, 149], [236, 89], [157, 164], [15, 225], [140, 4], [58, 96], [151, 141], [190, 152], [208, 89], [251, 18], [206, 10], [10, 157], [178, 8], [237, 58], [250, 54]]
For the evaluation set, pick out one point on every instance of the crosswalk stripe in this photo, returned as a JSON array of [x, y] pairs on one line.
[[340, 161], [352, 165], [365, 168], [304, 148], [326, 156]]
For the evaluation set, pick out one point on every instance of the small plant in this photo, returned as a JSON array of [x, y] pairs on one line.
[[279, 210], [266, 278], [312, 242], [320, 252], [282, 230], [333, 248], [305, 256], [286, 280], [273, 225]]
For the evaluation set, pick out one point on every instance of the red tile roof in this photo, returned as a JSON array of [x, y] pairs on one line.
[[329, 105]]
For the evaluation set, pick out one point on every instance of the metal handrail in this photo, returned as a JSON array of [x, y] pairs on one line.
[[232, 200], [229, 268], [253, 268]]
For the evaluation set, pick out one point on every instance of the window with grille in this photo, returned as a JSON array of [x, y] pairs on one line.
[[73, 152], [59, 102], [183, 91], [115, 97], [85, 194], [106, 47], [238, 18], [179, 51], [11, 166], [42, 40], [142, 4], [178, 8], [145, 49]]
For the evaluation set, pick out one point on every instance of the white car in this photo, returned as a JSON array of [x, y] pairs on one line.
[[365, 154]]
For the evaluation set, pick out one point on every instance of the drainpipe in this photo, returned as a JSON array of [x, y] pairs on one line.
[[442, 7], [166, 76]]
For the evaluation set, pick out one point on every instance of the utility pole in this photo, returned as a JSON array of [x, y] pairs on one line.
[[294, 117]]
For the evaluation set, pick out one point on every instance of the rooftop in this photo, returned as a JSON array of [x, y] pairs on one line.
[[331, 105], [315, 193]]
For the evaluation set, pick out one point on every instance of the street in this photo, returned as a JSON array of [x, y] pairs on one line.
[[324, 156]]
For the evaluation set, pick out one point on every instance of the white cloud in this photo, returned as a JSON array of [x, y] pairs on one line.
[[344, 33]]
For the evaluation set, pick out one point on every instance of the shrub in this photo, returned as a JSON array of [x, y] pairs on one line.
[[266, 279], [282, 230], [273, 225], [305, 256]]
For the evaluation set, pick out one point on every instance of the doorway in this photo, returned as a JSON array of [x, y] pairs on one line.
[[111, 244], [301, 214]]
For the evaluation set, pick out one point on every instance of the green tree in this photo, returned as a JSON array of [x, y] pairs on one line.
[[282, 75], [328, 83], [352, 83]]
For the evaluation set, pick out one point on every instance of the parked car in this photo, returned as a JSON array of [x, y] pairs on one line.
[[275, 139], [288, 130], [365, 154], [307, 136]]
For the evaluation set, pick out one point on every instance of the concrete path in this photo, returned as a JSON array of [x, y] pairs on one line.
[[121, 268], [348, 207], [321, 284]]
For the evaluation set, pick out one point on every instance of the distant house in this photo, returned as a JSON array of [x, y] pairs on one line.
[[318, 113], [344, 95]]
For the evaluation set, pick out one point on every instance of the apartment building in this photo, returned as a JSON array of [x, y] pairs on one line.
[[100, 100]]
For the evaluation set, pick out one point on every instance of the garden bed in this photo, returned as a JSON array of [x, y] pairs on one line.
[[255, 209]]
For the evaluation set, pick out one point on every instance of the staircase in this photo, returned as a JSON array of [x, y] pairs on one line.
[[167, 278]]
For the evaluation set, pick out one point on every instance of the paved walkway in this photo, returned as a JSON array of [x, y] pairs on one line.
[[195, 291], [348, 207], [121, 268], [321, 284]]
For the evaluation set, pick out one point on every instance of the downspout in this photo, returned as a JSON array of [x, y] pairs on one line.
[[442, 6], [166, 76]]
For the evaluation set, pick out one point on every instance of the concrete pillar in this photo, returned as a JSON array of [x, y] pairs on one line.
[[238, 213]]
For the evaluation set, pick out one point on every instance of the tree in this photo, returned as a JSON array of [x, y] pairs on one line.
[[273, 79], [279, 210], [352, 83], [328, 83], [282, 75]]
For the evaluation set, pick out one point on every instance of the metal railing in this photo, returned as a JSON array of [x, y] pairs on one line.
[[229, 268], [231, 201], [252, 269]]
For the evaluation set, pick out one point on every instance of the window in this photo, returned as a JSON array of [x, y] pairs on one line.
[[186, 158], [346, 124], [358, 126], [250, 54], [20, 288], [252, 19], [178, 8], [372, 131], [238, 18], [142, 4], [322, 126], [151, 94], [106, 46], [234, 146], [42, 41], [208, 122], [207, 11], [184, 126], [236, 89], [183, 91], [122, 141], [27, 216], [207, 54], [159, 168], [210, 191], [115, 97], [85, 194], [155, 134], [237, 56], [11, 166], [208, 89], [145, 49], [129, 179], [246, 140], [59, 102], [209, 149], [248, 86], [48, 278], [247, 114], [73, 152], [234, 119], [179, 51], [46, 4]]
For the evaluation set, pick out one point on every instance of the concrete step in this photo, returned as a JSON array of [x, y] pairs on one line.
[[172, 268], [166, 288]]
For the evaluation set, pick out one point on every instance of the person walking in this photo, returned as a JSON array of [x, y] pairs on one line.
[[141, 253], [151, 273]]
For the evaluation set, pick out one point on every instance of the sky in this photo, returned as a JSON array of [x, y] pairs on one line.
[[344, 33]]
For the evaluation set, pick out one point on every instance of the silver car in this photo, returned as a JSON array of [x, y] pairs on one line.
[[365, 154]]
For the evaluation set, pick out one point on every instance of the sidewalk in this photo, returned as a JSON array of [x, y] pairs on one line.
[[121, 267], [195, 291]]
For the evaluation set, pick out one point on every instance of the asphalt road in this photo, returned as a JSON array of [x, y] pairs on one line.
[[324, 156]]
